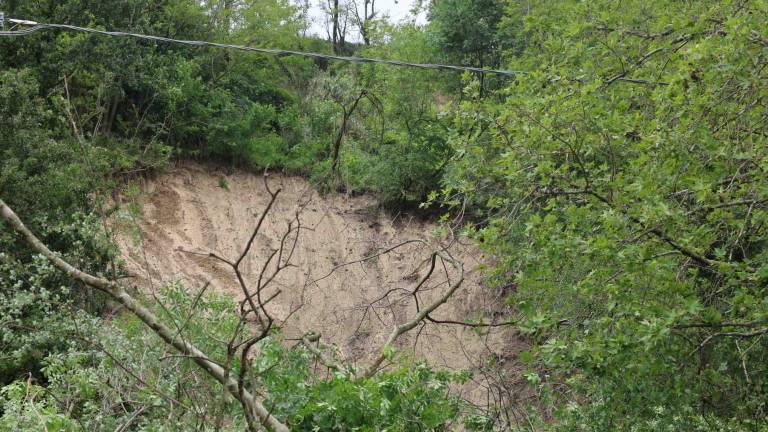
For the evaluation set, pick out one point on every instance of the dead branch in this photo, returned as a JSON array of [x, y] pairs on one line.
[[732, 334], [423, 315], [754, 323], [398, 330], [253, 302], [369, 257], [479, 324]]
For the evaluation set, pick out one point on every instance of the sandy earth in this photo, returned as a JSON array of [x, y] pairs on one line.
[[186, 209]]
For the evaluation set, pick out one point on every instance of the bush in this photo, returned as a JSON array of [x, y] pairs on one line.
[[124, 374]]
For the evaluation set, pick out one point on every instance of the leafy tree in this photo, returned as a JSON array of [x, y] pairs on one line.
[[45, 177], [467, 30], [621, 186]]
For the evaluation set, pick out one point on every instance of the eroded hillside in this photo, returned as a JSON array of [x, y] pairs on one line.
[[194, 210]]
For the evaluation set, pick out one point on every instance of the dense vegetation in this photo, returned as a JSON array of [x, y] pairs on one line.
[[619, 181]]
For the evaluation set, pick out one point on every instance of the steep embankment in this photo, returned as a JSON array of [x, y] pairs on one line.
[[187, 209]]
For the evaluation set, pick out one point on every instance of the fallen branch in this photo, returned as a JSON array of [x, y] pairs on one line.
[[249, 402]]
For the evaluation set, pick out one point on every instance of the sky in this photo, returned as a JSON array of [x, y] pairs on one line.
[[398, 10]]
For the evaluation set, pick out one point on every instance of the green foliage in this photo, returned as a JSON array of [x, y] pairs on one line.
[[22, 411], [395, 144], [51, 183], [467, 30], [35, 307], [124, 93], [621, 186], [35, 166], [80, 112], [408, 399], [120, 374], [125, 374], [137, 103]]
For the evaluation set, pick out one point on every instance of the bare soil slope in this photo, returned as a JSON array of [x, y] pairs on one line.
[[188, 210]]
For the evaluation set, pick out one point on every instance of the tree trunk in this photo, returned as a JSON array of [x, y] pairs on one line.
[[346, 114], [335, 19]]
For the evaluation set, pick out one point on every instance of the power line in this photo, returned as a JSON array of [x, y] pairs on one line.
[[36, 27]]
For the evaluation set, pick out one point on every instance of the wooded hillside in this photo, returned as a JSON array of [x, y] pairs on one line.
[[615, 174]]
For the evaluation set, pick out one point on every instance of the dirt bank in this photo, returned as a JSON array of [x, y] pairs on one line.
[[199, 208]]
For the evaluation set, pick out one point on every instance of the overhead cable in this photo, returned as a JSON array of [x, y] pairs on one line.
[[36, 27]]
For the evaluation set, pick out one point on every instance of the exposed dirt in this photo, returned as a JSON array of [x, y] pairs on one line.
[[187, 209]]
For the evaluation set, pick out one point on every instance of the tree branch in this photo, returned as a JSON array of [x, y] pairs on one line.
[[117, 292], [420, 316]]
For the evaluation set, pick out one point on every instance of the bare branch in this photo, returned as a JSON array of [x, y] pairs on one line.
[[369, 257], [754, 323], [420, 316], [733, 334]]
